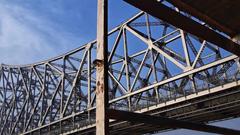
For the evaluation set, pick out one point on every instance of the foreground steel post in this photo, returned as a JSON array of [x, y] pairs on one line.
[[102, 68]]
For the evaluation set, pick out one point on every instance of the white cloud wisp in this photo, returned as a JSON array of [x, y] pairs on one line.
[[26, 37]]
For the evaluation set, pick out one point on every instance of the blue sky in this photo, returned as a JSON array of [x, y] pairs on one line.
[[34, 30], [28, 27]]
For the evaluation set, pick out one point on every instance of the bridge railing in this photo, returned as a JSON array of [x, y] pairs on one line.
[[232, 75]]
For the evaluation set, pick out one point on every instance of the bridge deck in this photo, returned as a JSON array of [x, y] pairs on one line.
[[206, 105], [154, 68]]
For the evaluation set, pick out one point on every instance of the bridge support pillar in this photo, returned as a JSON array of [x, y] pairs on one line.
[[102, 121]]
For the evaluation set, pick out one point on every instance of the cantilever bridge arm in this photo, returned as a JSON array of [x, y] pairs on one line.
[[158, 10]]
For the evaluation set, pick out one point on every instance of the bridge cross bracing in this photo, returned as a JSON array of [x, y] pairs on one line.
[[169, 73]]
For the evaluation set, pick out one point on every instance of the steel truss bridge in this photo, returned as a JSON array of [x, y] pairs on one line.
[[154, 68]]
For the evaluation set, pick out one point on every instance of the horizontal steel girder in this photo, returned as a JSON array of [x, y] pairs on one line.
[[171, 123]]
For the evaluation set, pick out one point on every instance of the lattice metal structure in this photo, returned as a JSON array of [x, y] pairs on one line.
[[152, 65]]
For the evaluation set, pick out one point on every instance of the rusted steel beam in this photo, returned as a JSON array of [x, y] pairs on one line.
[[194, 12], [102, 121], [158, 10], [168, 122]]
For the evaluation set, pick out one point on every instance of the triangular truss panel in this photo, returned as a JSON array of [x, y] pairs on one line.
[[150, 63]]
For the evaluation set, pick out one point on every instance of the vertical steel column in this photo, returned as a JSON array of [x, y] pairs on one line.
[[102, 68]]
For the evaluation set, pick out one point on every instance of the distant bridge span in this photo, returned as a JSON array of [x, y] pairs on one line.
[[154, 68]]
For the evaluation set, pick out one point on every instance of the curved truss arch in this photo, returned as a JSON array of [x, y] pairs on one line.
[[150, 62]]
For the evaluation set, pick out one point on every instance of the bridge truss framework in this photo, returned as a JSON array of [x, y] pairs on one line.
[[153, 68]]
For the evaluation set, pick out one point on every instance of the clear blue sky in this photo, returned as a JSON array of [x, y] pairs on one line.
[[34, 30]]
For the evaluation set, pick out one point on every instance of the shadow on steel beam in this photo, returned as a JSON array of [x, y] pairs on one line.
[[168, 122]]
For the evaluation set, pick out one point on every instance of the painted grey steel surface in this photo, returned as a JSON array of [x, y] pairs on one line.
[[154, 68]]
